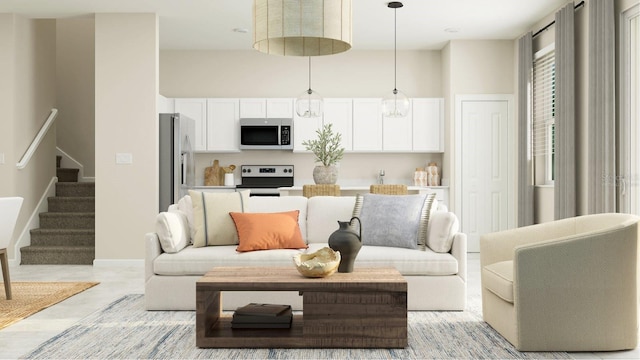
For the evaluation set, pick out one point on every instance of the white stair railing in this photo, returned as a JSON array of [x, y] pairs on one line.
[[37, 140]]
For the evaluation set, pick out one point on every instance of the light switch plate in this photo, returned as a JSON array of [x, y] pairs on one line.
[[1, 158], [124, 158]]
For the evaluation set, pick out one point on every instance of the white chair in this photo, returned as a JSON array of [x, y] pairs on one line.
[[9, 210]]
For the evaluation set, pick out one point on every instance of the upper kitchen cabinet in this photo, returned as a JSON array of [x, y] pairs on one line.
[[266, 108], [428, 124], [304, 129], [397, 134], [367, 124], [339, 112], [223, 125], [197, 110]]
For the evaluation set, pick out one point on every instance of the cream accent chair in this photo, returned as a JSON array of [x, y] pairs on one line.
[[9, 210], [565, 285]]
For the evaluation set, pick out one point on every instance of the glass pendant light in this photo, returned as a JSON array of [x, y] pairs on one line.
[[395, 104], [309, 103]]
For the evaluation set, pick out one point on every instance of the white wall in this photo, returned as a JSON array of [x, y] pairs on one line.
[[75, 59], [27, 95], [126, 87]]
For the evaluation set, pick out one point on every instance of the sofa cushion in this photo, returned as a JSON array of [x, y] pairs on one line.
[[280, 204], [172, 230], [394, 220], [498, 278], [186, 207], [197, 261], [442, 227], [407, 261], [213, 225], [323, 213], [264, 231]]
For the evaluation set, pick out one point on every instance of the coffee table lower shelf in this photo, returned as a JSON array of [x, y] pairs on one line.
[[358, 310]]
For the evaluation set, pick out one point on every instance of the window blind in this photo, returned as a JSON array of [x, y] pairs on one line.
[[544, 102]]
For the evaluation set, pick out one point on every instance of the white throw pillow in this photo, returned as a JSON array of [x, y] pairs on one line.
[[442, 227], [185, 206], [173, 231]]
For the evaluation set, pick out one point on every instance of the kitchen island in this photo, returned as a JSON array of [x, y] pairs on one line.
[[442, 192]]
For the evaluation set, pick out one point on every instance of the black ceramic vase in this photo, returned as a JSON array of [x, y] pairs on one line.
[[348, 243]]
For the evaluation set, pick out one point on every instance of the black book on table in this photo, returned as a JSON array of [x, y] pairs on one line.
[[284, 317], [255, 309], [261, 326]]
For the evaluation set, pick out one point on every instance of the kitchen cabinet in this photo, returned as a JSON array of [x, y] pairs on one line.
[[367, 124], [266, 108], [304, 129], [339, 112], [428, 125], [397, 133], [223, 125], [197, 110]]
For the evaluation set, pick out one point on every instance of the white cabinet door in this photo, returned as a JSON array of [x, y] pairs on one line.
[[197, 110], [397, 133], [257, 108], [253, 108], [367, 125], [428, 125], [339, 112], [223, 125], [304, 129], [280, 108]]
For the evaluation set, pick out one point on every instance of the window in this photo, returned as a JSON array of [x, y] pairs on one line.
[[544, 108]]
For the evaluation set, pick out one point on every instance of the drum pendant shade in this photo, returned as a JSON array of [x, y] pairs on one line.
[[302, 27]]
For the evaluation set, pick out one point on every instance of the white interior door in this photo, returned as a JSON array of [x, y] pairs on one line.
[[484, 159]]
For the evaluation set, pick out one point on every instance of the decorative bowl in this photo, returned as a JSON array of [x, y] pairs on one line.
[[321, 263]]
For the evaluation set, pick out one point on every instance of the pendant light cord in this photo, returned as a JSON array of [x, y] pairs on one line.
[[309, 91], [395, 49]]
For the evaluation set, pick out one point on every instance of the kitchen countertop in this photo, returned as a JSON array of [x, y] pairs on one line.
[[366, 187]]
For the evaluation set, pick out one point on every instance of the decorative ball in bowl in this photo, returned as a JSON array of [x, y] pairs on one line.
[[321, 263]]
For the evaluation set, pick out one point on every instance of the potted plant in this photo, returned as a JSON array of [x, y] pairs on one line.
[[328, 151]]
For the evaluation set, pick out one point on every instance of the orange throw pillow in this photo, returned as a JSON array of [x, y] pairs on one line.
[[263, 231]]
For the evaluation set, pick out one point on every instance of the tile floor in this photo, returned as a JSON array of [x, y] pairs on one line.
[[20, 338]]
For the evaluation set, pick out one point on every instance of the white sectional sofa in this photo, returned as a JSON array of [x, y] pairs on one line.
[[436, 280]]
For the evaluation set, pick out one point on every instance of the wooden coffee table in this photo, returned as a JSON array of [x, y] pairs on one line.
[[363, 309]]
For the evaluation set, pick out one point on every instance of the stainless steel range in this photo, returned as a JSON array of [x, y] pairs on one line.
[[264, 180]]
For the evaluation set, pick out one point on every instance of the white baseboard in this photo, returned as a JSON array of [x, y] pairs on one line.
[[66, 158], [118, 263], [34, 221]]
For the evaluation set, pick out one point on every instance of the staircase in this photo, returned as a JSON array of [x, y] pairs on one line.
[[67, 231]]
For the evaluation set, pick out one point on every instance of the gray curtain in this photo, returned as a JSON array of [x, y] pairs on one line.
[[525, 162], [565, 142], [602, 144]]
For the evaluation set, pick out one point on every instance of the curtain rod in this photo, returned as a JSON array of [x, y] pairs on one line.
[[580, 4]]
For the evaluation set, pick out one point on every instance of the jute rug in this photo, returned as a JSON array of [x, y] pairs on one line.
[[30, 297], [124, 330]]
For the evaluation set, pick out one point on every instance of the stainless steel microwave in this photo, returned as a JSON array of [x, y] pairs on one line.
[[266, 134]]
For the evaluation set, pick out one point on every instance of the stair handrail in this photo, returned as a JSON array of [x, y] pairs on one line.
[[37, 140]]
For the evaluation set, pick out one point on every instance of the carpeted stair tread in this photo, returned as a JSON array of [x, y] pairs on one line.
[[72, 204], [71, 189], [55, 255], [67, 220], [63, 237]]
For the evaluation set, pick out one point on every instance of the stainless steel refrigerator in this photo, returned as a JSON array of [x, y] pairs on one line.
[[176, 158]]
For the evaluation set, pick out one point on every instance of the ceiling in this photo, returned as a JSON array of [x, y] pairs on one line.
[[209, 24]]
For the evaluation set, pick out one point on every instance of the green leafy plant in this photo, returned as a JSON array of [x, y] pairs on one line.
[[326, 147]]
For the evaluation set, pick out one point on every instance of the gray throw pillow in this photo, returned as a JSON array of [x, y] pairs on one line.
[[394, 220]]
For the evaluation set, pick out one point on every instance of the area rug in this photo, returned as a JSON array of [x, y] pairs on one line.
[[30, 297], [124, 330]]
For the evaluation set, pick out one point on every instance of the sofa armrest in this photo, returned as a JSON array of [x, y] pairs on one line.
[[459, 251], [152, 251]]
